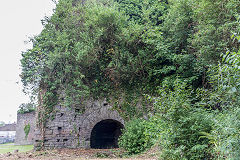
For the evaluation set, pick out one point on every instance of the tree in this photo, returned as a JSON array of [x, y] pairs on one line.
[[2, 123]]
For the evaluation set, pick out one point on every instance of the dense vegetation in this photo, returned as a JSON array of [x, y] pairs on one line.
[[26, 108], [181, 55]]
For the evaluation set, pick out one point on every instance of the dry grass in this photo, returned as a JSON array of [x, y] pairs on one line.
[[79, 154]]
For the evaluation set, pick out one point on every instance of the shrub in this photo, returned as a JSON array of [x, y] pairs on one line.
[[225, 136], [26, 108], [180, 123], [133, 139]]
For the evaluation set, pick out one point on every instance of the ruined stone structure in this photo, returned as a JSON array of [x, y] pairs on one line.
[[23, 120], [98, 127]]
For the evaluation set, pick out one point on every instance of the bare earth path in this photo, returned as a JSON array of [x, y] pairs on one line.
[[76, 154]]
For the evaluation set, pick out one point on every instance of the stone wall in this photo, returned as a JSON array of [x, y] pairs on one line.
[[8, 127], [67, 128], [22, 121]]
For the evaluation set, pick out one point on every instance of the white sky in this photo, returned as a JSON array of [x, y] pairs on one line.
[[19, 19]]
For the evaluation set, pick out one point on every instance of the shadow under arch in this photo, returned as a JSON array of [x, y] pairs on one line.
[[105, 134]]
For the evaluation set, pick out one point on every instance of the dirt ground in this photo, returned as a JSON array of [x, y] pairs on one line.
[[78, 154]]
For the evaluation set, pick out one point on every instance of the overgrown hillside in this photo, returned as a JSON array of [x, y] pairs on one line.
[[179, 55]]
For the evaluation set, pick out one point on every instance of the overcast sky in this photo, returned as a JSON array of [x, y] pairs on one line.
[[19, 19]]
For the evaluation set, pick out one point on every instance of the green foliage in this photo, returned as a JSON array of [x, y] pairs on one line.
[[130, 104], [98, 48], [214, 24], [180, 123], [2, 123], [174, 50], [225, 132], [131, 48], [27, 130], [26, 108], [152, 130], [133, 139], [145, 11], [95, 49], [177, 26], [102, 57]]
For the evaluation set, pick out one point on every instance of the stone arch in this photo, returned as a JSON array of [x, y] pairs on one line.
[[105, 134], [94, 116]]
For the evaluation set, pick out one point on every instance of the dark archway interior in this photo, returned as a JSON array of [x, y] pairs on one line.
[[105, 134]]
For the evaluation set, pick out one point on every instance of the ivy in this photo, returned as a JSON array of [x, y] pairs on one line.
[[26, 108], [26, 130]]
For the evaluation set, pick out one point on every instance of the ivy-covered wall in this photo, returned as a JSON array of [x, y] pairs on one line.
[[25, 129]]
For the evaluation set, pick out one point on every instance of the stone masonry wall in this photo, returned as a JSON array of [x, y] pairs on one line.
[[67, 128], [22, 121], [8, 127]]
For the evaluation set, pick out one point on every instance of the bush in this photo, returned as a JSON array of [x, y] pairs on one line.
[[133, 139], [180, 123], [26, 108], [183, 139], [224, 136]]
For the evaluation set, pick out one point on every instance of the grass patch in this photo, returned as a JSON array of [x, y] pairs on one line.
[[10, 147]]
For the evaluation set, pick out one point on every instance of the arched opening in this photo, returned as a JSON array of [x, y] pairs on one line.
[[105, 134]]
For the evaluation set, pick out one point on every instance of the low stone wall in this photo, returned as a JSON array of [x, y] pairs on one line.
[[8, 127], [68, 128], [24, 120]]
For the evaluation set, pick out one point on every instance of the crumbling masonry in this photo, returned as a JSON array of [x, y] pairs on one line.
[[98, 127]]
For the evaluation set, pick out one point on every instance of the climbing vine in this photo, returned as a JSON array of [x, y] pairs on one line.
[[27, 130], [84, 50], [96, 49]]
